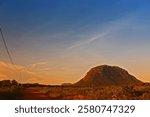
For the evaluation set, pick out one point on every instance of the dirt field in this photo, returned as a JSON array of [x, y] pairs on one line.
[[86, 93], [33, 94]]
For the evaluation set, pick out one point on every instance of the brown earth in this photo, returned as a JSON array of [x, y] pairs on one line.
[[134, 92], [33, 94]]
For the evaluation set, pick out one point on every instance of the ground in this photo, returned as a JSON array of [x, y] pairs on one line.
[[38, 92]]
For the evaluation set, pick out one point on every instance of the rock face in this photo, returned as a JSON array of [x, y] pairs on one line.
[[107, 75]]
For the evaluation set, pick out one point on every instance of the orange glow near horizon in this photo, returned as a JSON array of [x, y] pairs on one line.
[[55, 76]]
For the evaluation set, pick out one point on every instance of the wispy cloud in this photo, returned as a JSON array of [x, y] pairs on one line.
[[20, 74], [111, 28], [88, 41], [35, 65], [39, 68]]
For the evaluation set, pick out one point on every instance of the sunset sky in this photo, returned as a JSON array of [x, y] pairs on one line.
[[57, 41]]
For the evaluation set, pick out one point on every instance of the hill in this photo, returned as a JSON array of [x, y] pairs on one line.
[[105, 75]]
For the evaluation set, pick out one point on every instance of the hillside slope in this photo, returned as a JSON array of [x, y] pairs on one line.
[[105, 75]]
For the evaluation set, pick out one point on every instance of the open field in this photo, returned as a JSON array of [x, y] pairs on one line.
[[141, 92], [10, 90]]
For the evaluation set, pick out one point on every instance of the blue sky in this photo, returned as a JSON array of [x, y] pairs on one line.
[[71, 36]]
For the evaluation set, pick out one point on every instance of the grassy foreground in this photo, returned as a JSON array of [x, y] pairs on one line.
[[11, 90]]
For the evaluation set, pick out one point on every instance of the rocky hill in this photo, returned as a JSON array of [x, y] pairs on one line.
[[105, 75]]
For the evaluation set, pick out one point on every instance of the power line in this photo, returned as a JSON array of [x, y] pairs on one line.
[[6, 47], [8, 53]]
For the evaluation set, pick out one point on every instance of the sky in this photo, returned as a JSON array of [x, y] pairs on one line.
[[60, 40]]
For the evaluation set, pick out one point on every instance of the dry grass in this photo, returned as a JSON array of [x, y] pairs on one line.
[[97, 93], [137, 92]]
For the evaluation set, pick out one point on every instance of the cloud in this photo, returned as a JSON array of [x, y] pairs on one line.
[[35, 65], [39, 67], [21, 74], [88, 41], [111, 28]]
